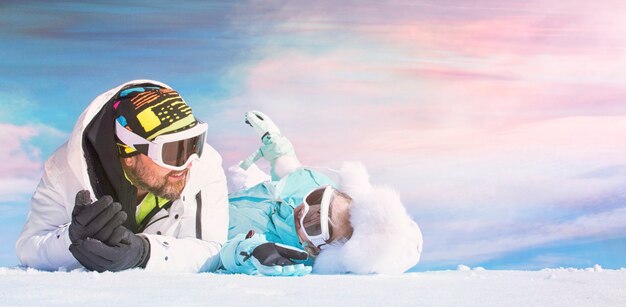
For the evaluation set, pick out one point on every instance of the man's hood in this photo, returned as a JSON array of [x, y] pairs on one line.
[[98, 167]]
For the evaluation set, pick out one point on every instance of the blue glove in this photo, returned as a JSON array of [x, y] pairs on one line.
[[275, 145], [263, 125], [254, 255], [278, 260]]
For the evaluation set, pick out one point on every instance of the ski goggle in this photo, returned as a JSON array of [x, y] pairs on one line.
[[315, 217], [174, 151]]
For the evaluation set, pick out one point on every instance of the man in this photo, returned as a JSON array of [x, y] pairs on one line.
[[134, 186]]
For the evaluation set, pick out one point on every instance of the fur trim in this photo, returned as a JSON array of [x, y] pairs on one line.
[[354, 179], [385, 238]]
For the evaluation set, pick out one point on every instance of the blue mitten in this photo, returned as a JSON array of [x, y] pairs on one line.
[[278, 260], [263, 125], [275, 145], [255, 255]]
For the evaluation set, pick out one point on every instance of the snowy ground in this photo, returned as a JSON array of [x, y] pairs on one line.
[[463, 287]]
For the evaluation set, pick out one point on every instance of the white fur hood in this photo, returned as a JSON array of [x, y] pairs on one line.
[[385, 239]]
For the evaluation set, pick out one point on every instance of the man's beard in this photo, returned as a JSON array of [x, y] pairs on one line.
[[143, 179]]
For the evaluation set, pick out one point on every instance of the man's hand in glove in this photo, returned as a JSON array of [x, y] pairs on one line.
[[129, 252], [278, 260], [96, 220]]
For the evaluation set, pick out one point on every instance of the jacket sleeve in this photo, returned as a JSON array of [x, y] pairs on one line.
[[44, 240], [204, 225], [171, 254]]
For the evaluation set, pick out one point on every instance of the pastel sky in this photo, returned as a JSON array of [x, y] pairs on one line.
[[501, 124]]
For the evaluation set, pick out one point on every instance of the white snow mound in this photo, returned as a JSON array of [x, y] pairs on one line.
[[554, 287]]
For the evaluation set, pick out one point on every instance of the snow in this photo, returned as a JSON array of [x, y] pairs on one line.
[[462, 287]]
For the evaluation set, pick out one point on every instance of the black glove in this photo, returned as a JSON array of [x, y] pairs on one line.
[[270, 254], [277, 260], [96, 220], [132, 251]]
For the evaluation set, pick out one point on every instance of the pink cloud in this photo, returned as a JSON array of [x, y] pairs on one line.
[[19, 159], [21, 167], [530, 156], [494, 90], [476, 28], [334, 108]]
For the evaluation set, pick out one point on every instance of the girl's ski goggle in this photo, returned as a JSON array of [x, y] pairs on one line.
[[174, 151], [314, 221]]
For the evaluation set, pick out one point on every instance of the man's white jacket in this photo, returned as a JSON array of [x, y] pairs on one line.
[[187, 236]]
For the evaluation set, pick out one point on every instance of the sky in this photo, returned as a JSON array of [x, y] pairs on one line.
[[500, 124]]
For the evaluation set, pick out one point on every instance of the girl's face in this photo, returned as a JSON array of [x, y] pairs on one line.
[[297, 215], [337, 222], [309, 217]]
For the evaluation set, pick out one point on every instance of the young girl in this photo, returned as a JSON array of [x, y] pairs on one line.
[[350, 227]]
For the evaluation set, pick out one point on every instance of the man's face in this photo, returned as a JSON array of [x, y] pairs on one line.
[[148, 176]]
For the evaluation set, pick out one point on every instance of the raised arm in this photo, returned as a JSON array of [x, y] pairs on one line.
[[276, 148]]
